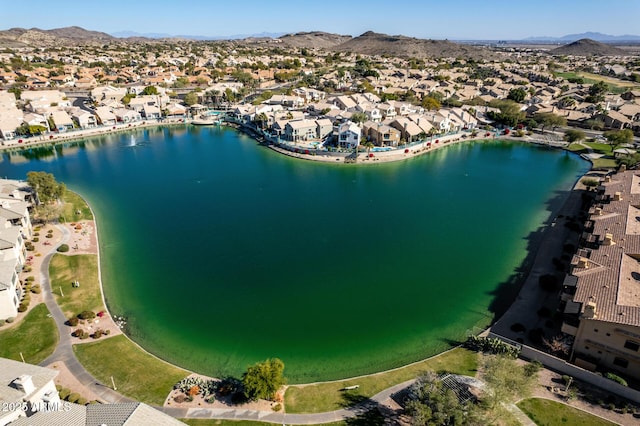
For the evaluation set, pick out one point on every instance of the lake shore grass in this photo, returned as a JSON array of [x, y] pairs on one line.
[[328, 396], [137, 374], [63, 270], [35, 337]]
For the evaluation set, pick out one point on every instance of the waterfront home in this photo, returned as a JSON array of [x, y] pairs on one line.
[[301, 130], [469, 122], [62, 121], [371, 111], [151, 112], [10, 119], [33, 119], [409, 130], [602, 302], [349, 135], [614, 120], [124, 115], [381, 134], [325, 128], [84, 119], [106, 117]]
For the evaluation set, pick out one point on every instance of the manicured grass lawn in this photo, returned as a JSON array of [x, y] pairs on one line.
[[214, 422], [137, 374], [36, 336], [328, 396], [600, 148], [615, 85], [63, 270], [548, 413], [72, 204], [601, 163]]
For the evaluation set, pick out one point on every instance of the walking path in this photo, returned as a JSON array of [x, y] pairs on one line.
[[64, 351]]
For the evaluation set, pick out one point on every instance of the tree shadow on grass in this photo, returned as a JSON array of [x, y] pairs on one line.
[[368, 412]]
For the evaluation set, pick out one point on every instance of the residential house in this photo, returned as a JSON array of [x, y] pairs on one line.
[[631, 111], [383, 135], [151, 112], [26, 384], [108, 93], [124, 115], [33, 119], [84, 119], [602, 308], [469, 122], [409, 130], [105, 116], [301, 130], [10, 119], [371, 111], [614, 120], [62, 121], [325, 128], [349, 135], [344, 102]]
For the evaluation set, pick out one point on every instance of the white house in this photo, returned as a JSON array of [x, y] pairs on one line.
[[84, 119], [28, 386], [107, 118], [62, 121], [349, 135]]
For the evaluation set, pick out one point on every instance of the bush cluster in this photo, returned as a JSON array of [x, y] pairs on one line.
[[492, 346], [63, 248]]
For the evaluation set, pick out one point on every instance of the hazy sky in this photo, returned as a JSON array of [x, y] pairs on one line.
[[451, 19]]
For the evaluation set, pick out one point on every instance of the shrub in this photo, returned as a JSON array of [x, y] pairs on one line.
[[87, 315], [27, 268], [78, 332], [73, 321], [37, 228], [63, 248], [64, 393], [210, 399], [23, 307], [36, 234], [491, 345], [107, 332], [36, 289], [73, 398], [10, 320], [566, 379], [532, 368], [30, 278], [82, 401], [616, 379], [35, 239], [179, 398], [49, 235], [277, 407]]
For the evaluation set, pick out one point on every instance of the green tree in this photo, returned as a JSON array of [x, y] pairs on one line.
[[191, 98], [574, 135], [262, 380], [433, 404], [150, 90], [619, 137], [549, 119], [597, 92], [359, 117], [46, 186], [507, 381], [517, 95], [261, 119], [510, 113], [431, 104]]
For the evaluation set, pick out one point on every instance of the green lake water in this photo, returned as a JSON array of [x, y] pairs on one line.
[[222, 253]]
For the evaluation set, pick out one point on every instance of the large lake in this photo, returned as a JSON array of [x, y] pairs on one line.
[[222, 253]]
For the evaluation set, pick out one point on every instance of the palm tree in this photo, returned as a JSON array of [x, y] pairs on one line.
[[368, 145]]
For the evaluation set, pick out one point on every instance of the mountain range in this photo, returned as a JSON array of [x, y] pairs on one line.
[[588, 35]]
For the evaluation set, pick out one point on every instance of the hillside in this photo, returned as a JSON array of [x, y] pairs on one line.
[[588, 47], [18, 37], [314, 40], [371, 43]]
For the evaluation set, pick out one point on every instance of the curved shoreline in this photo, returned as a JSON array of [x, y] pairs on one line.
[[189, 369]]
